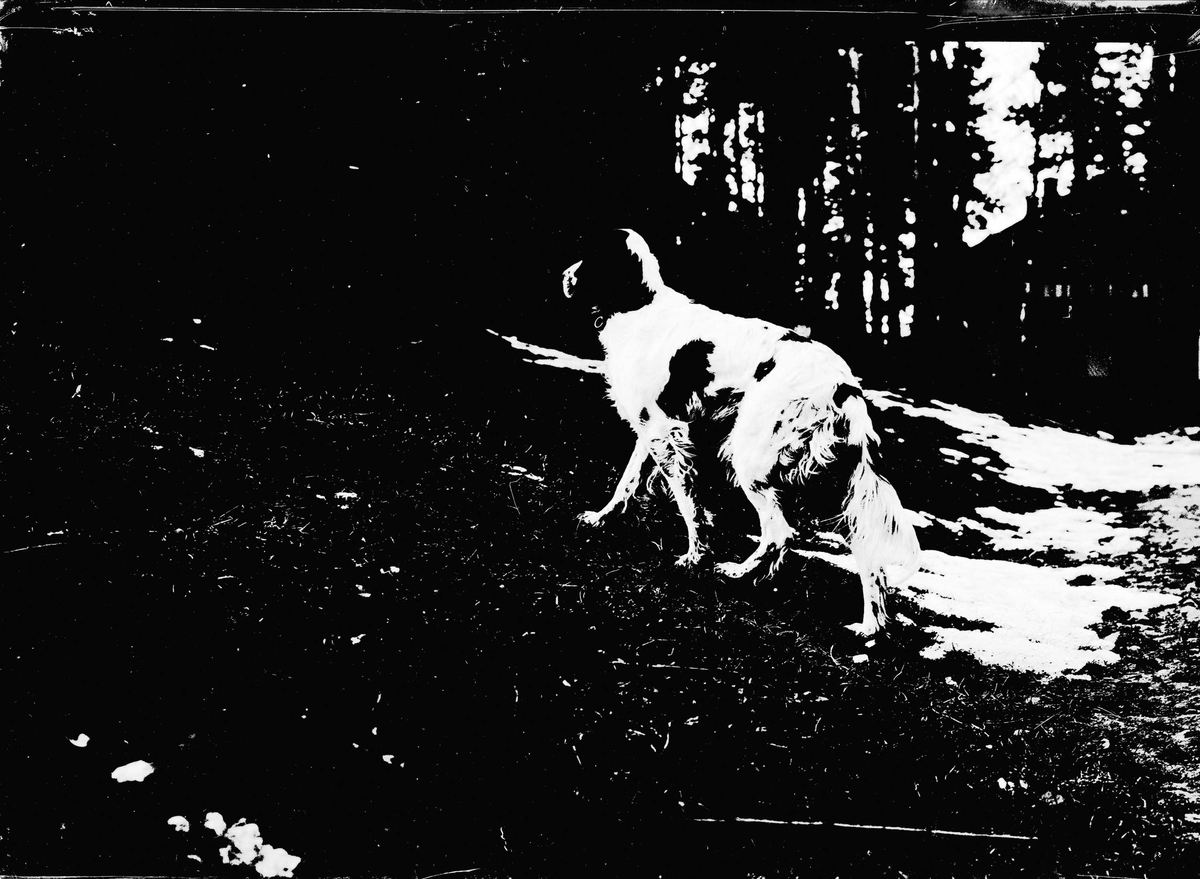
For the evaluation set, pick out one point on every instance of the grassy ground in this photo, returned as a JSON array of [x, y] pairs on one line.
[[365, 618]]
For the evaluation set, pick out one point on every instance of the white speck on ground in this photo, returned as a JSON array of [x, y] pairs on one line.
[[179, 823], [250, 848], [518, 470], [214, 822], [138, 770], [276, 862], [81, 741], [246, 839]]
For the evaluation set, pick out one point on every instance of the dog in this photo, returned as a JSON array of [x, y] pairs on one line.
[[790, 409]]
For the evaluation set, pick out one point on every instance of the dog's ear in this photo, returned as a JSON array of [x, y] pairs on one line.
[[609, 277]]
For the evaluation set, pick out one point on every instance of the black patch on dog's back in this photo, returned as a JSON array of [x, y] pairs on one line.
[[793, 336], [844, 393], [690, 374], [764, 369]]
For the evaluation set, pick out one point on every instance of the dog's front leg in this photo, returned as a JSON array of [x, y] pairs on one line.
[[672, 453], [625, 487], [774, 533]]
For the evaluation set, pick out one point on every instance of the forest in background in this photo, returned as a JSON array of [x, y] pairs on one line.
[[944, 211], [1014, 202]]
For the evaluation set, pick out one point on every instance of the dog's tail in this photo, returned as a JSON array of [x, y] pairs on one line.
[[879, 531]]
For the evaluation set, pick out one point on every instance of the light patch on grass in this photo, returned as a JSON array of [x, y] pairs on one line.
[[81, 741], [1039, 621], [246, 840], [214, 822], [925, 520], [138, 770], [518, 470], [1052, 458], [275, 862], [1175, 521], [248, 847], [1082, 533]]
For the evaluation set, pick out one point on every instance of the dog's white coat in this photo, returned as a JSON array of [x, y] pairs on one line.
[[786, 425]]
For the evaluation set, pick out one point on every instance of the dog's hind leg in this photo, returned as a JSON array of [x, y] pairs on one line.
[[874, 586], [774, 532], [625, 487]]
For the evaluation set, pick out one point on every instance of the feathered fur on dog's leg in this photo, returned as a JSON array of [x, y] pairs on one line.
[[671, 449], [875, 616], [749, 469], [774, 532], [625, 486], [877, 528]]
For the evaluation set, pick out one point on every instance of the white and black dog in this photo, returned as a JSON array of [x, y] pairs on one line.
[[792, 408]]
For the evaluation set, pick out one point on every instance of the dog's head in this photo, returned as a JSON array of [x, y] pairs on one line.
[[617, 273]]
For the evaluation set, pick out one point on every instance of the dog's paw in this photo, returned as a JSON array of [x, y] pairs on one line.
[[864, 630], [733, 570], [591, 517], [690, 558]]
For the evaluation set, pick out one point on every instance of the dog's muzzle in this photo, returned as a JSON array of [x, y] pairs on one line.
[[569, 278]]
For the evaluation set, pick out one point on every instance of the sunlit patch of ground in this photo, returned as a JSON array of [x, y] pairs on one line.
[[1034, 618], [1043, 576], [1053, 458]]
